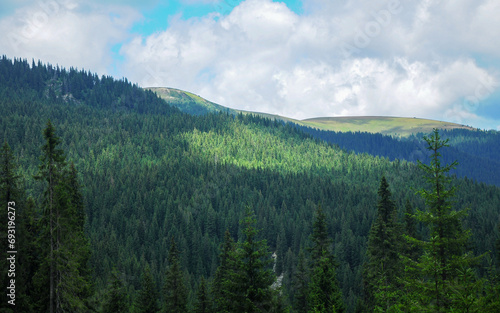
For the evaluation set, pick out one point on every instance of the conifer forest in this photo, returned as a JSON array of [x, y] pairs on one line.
[[114, 200]]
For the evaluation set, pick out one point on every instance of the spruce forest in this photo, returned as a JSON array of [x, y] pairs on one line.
[[125, 203]]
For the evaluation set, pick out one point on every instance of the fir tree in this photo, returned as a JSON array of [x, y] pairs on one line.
[[254, 276], [203, 302], [446, 281], [410, 249], [301, 282], [324, 294], [174, 289], [223, 285], [382, 265], [116, 299], [65, 248], [147, 301]]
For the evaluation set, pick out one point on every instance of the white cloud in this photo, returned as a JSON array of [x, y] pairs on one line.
[[66, 33], [264, 57]]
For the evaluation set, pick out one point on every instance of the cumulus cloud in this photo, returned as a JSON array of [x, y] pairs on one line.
[[264, 57], [67, 33]]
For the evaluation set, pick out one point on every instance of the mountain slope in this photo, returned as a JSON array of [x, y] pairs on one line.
[[396, 126], [392, 137], [151, 173]]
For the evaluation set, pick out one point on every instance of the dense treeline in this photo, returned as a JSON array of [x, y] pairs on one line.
[[476, 151], [161, 188]]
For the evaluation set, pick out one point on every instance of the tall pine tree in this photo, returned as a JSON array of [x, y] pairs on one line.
[[63, 278], [446, 279], [324, 294], [223, 285], [147, 301], [174, 289], [115, 299], [382, 266]]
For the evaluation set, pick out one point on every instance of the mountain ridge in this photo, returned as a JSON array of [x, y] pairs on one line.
[[386, 125]]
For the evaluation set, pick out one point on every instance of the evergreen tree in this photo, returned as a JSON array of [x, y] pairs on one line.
[[447, 281], [174, 289], [301, 282], [253, 276], [116, 299], [223, 285], [203, 302], [147, 301], [382, 266], [65, 248], [324, 292], [410, 249]]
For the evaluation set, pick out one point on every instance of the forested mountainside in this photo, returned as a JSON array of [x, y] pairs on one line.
[[160, 188], [477, 151]]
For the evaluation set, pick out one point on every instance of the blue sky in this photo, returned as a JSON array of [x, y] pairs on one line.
[[435, 59]]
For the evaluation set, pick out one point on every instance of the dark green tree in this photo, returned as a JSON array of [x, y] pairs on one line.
[[254, 275], [446, 277], [116, 298], [301, 283], [382, 266], [324, 291], [203, 302], [64, 247], [147, 300], [174, 289], [223, 285], [410, 249]]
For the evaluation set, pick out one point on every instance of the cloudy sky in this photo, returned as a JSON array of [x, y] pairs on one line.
[[437, 59]]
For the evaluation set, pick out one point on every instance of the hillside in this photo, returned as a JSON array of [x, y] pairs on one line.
[[394, 126], [392, 137], [151, 173]]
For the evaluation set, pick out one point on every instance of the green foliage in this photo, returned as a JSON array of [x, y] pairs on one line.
[[446, 280], [384, 246], [324, 294], [203, 301], [301, 283], [116, 298], [147, 300], [174, 289]]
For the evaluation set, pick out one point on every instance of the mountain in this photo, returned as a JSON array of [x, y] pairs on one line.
[[151, 173], [395, 126], [392, 137]]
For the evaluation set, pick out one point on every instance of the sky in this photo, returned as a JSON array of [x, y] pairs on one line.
[[437, 59]]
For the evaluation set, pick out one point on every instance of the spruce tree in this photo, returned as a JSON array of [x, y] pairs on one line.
[[147, 301], [62, 242], [223, 285], [174, 289], [203, 302], [446, 280], [301, 283], [382, 266], [324, 294], [254, 275], [116, 299], [410, 250]]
